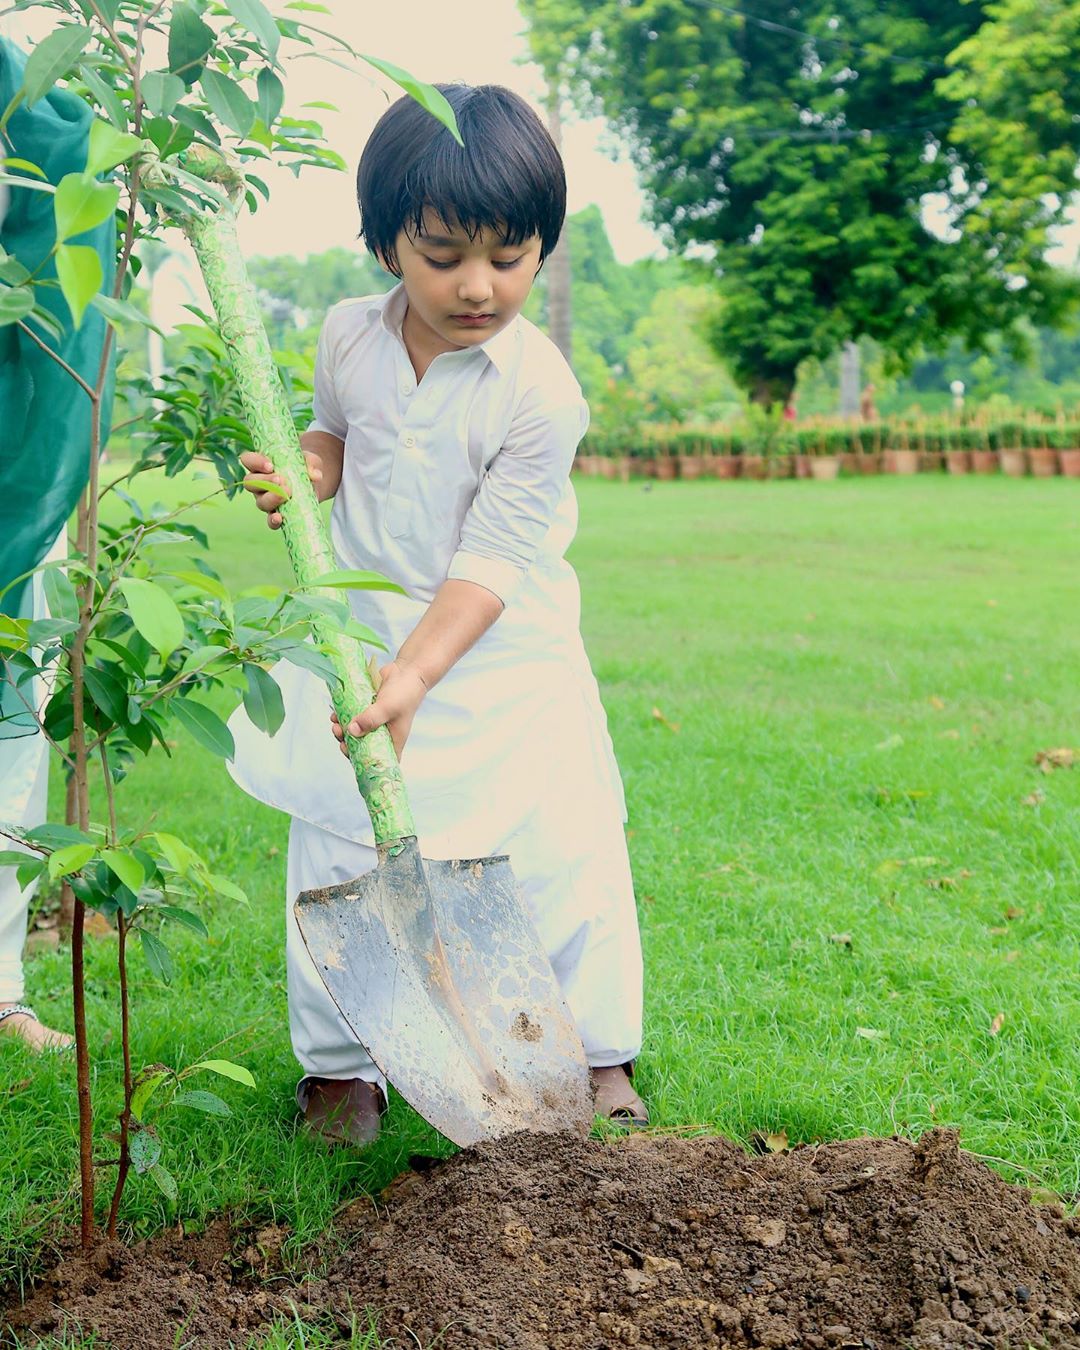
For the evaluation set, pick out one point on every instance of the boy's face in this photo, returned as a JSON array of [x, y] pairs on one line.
[[463, 291]]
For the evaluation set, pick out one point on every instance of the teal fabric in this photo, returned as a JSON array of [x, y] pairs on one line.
[[44, 416]]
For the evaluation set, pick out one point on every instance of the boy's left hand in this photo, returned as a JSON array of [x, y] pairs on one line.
[[400, 694]]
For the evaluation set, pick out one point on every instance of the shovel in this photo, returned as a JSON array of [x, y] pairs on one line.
[[435, 966]]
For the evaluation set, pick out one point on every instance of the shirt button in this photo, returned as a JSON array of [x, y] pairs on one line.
[[408, 441], [406, 388]]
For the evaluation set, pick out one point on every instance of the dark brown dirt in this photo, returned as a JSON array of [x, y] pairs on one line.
[[535, 1243]]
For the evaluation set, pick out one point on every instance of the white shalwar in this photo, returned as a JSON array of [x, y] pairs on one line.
[[464, 475]]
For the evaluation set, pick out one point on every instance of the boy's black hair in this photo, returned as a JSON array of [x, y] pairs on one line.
[[508, 177]]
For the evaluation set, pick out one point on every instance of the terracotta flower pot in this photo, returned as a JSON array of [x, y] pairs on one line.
[[870, 463], [690, 466], [622, 468], [608, 467], [1044, 463], [849, 461], [726, 466], [1070, 463], [1013, 462], [931, 461], [753, 466], [905, 461], [958, 461], [802, 466], [781, 466], [984, 461], [888, 461], [666, 468], [825, 467]]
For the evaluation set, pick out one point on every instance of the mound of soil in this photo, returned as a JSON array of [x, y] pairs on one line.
[[554, 1243]]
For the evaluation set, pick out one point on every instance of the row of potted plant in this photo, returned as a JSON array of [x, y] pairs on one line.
[[825, 448]]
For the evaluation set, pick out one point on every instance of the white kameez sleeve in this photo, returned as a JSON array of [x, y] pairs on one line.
[[514, 508], [326, 411]]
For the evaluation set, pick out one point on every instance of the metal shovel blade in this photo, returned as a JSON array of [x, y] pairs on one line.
[[440, 974]]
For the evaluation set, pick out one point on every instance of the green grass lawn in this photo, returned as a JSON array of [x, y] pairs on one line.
[[826, 700]]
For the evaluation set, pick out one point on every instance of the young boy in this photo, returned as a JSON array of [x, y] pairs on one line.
[[444, 429]]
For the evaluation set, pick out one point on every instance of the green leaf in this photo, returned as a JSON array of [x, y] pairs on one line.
[[425, 94], [16, 302], [109, 147], [146, 1085], [223, 886], [14, 857], [355, 580], [201, 1100], [267, 486], [164, 1180], [109, 693], [180, 857], [30, 870], [154, 613], [262, 699], [189, 41], [271, 96], [13, 272], [60, 594], [145, 1149], [227, 1069], [82, 203], [119, 311], [11, 163], [79, 269], [162, 91], [52, 58], [105, 95], [157, 956], [67, 860], [228, 102], [184, 917], [126, 867], [258, 20], [206, 726]]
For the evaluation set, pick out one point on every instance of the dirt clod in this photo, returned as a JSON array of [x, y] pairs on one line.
[[554, 1243]]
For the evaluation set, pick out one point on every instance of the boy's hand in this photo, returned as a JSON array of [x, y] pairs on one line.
[[400, 694], [270, 502]]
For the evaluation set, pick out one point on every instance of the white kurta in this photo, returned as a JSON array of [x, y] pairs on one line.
[[465, 475]]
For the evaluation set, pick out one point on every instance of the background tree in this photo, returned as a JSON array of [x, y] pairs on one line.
[[799, 145]]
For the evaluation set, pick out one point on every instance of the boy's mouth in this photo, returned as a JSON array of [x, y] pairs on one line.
[[472, 320]]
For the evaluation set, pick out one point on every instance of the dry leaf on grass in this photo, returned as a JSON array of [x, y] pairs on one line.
[[997, 1024], [1035, 798], [770, 1142], [658, 716], [890, 742], [871, 1034], [1013, 913], [936, 703], [1061, 758], [841, 939]]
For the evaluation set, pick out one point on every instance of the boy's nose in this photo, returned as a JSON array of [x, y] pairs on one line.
[[475, 287]]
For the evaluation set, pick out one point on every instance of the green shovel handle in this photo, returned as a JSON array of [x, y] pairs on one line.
[[213, 237]]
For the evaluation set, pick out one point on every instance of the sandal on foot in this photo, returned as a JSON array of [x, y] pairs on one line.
[[45, 1039], [342, 1110], [615, 1098]]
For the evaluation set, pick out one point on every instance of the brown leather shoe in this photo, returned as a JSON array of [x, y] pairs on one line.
[[616, 1099], [343, 1110]]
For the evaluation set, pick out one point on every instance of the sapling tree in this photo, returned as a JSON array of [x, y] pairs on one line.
[[139, 633]]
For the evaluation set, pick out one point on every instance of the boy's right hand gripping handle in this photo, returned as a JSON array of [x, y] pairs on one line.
[[378, 774]]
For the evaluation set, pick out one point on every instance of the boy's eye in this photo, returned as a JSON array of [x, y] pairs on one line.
[[439, 266], [506, 266]]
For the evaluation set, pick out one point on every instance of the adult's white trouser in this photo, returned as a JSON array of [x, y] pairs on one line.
[[24, 775], [584, 914]]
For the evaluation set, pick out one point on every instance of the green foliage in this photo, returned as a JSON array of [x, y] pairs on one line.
[[802, 161]]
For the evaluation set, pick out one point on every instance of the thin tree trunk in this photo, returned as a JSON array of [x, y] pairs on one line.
[[849, 380], [557, 265]]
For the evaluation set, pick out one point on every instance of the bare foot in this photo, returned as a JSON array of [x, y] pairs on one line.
[[37, 1036]]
